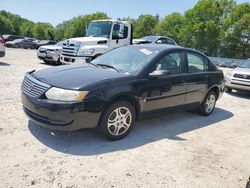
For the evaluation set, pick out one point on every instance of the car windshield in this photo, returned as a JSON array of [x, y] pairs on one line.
[[245, 65], [150, 38], [99, 29], [127, 59]]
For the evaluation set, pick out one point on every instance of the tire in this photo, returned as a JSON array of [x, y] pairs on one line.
[[117, 120], [58, 62], [208, 104], [228, 90], [46, 62]]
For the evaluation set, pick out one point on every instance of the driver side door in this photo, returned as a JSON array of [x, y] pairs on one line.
[[167, 90], [119, 36]]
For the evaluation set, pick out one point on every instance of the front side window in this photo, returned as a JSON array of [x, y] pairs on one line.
[[196, 63], [171, 62], [116, 30], [161, 41], [120, 32]]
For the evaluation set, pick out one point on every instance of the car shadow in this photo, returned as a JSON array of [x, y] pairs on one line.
[[88, 142], [240, 94], [4, 64]]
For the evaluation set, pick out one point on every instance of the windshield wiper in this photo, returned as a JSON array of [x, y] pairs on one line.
[[93, 64], [109, 66]]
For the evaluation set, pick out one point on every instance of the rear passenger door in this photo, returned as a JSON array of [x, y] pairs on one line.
[[197, 79]]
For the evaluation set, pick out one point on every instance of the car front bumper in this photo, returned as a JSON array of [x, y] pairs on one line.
[[237, 83], [48, 55], [59, 115], [73, 59]]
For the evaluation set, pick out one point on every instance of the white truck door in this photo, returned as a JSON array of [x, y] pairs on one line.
[[120, 36]]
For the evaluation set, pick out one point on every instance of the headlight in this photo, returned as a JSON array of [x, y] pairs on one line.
[[65, 95], [87, 52]]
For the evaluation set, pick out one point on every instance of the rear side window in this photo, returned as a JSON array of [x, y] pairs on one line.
[[171, 42], [196, 63]]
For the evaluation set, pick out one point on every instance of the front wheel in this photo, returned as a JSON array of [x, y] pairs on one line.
[[208, 105], [117, 120]]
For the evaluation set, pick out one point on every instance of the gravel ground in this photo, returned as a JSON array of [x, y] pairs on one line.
[[175, 150]]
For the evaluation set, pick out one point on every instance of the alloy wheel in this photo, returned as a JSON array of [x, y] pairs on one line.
[[119, 121]]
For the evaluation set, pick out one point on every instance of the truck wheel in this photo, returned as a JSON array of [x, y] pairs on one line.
[[46, 62], [117, 120], [58, 62], [228, 90], [208, 104]]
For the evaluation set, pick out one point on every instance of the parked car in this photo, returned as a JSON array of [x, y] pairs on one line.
[[14, 44], [28, 43], [44, 42], [11, 37], [239, 78], [115, 89], [50, 53], [155, 40], [2, 48]]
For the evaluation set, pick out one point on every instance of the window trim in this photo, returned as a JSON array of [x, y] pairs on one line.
[[183, 64], [198, 55]]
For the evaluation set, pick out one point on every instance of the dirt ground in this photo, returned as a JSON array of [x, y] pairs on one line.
[[175, 150]]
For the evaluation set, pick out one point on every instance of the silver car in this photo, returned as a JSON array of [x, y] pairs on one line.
[[2, 48], [239, 78], [50, 53]]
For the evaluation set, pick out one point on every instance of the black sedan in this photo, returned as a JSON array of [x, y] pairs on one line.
[[114, 90]]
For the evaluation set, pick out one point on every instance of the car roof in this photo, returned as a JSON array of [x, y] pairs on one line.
[[164, 47], [158, 47]]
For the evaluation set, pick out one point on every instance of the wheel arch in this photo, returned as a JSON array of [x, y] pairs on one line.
[[216, 89], [124, 97]]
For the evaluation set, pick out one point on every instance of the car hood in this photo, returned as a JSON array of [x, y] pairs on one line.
[[51, 47], [76, 76], [88, 40], [241, 71]]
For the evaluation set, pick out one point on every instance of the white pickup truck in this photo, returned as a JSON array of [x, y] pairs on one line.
[[101, 36]]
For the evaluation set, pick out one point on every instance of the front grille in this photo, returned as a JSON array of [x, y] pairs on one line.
[[70, 48], [242, 76], [33, 87]]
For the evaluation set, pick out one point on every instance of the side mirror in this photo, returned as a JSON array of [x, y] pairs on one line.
[[159, 73]]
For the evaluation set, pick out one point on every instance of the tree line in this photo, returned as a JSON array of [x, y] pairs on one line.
[[216, 27]]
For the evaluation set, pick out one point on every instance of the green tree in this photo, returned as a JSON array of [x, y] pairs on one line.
[[77, 26], [171, 26], [145, 25], [236, 41]]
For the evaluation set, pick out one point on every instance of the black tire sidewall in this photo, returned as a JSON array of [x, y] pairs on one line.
[[107, 112], [202, 109]]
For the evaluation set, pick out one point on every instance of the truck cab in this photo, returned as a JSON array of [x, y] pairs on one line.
[[101, 37]]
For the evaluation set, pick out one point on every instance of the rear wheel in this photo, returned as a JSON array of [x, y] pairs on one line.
[[208, 105], [117, 120]]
